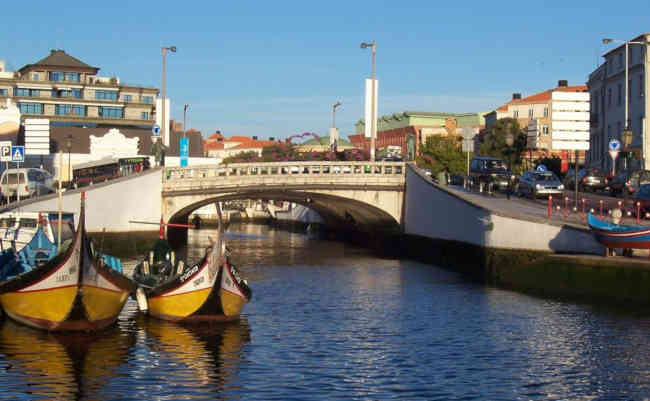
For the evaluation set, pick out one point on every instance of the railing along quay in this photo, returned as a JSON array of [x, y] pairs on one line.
[[379, 174]]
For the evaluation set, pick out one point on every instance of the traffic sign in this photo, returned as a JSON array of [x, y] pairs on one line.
[[5, 151], [156, 129], [615, 145], [18, 154], [541, 168]]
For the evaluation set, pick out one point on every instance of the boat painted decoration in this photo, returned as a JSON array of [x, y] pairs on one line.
[[619, 235], [210, 290], [74, 290], [18, 228]]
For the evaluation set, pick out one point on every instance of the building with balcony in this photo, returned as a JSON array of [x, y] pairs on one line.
[[608, 98], [64, 89], [551, 119]]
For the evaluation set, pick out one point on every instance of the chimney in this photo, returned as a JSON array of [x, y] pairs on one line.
[[516, 96], [562, 83]]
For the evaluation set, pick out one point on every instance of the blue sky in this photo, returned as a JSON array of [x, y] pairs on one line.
[[274, 69]]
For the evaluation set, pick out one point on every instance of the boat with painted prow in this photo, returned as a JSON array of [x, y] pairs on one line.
[[210, 290], [77, 289], [619, 235]]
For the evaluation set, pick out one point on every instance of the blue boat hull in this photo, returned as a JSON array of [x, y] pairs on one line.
[[619, 236]]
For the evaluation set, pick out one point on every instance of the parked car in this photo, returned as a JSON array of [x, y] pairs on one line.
[[489, 170], [25, 182], [592, 179], [539, 183], [627, 182]]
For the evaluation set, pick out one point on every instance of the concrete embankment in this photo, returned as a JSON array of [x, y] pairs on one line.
[[615, 280], [514, 250]]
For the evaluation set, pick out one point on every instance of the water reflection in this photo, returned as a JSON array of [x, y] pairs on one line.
[[61, 366], [201, 358]]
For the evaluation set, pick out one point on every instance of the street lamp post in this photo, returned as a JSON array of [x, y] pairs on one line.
[[68, 145], [626, 130], [337, 104], [162, 119], [373, 99], [510, 140], [185, 119]]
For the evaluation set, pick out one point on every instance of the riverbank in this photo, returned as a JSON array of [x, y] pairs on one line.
[[612, 280]]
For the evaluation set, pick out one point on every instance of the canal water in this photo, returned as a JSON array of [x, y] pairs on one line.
[[329, 321]]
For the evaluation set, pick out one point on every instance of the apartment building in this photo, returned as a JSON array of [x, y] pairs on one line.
[[69, 92], [608, 104], [551, 118]]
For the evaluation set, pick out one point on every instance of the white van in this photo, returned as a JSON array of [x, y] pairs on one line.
[[25, 182]]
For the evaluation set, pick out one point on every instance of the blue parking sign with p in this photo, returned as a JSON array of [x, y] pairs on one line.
[[18, 154]]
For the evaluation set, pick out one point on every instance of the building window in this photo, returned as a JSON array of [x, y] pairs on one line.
[[4, 92], [147, 99], [27, 92], [71, 76], [127, 98], [620, 60], [609, 132], [35, 76], [106, 95], [144, 115], [609, 97], [545, 129], [641, 88], [76, 93], [56, 76], [620, 94], [515, 114], [30, 108], [546, 111], [618, 128], [111, 112], [62, 109], [530, 113], [67, 109]]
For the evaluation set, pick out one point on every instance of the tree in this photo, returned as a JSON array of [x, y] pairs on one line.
[[441, 153], [494, 141], [242, 157]]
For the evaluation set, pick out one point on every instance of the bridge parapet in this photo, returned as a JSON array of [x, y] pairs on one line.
[[379, 174]]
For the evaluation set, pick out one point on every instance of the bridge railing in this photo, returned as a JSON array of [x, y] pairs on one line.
[[284, 171]]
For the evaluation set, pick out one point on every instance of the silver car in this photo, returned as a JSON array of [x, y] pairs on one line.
[[540, 183]]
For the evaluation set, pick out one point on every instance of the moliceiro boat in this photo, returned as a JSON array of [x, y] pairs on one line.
[[619, 235], [211, 290], [74, 288]]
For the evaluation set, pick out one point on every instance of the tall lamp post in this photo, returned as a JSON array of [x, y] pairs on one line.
[[627, 132], [373, 99], [510, 140], [185, 119], [337, 104], [164, 98], [68, 146]]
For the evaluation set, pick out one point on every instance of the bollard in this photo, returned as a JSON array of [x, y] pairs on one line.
[[601, 208], [638, 213], [550, 204], [583, 208]]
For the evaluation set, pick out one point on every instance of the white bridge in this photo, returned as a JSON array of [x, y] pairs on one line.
[[362, 195]]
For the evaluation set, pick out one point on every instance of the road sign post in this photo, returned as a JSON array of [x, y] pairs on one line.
[[614, 149]]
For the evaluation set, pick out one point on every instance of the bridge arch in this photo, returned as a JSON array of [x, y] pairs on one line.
[[349, 195]]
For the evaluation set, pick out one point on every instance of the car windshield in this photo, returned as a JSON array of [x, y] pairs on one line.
[[494, 165], [548, 176]]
